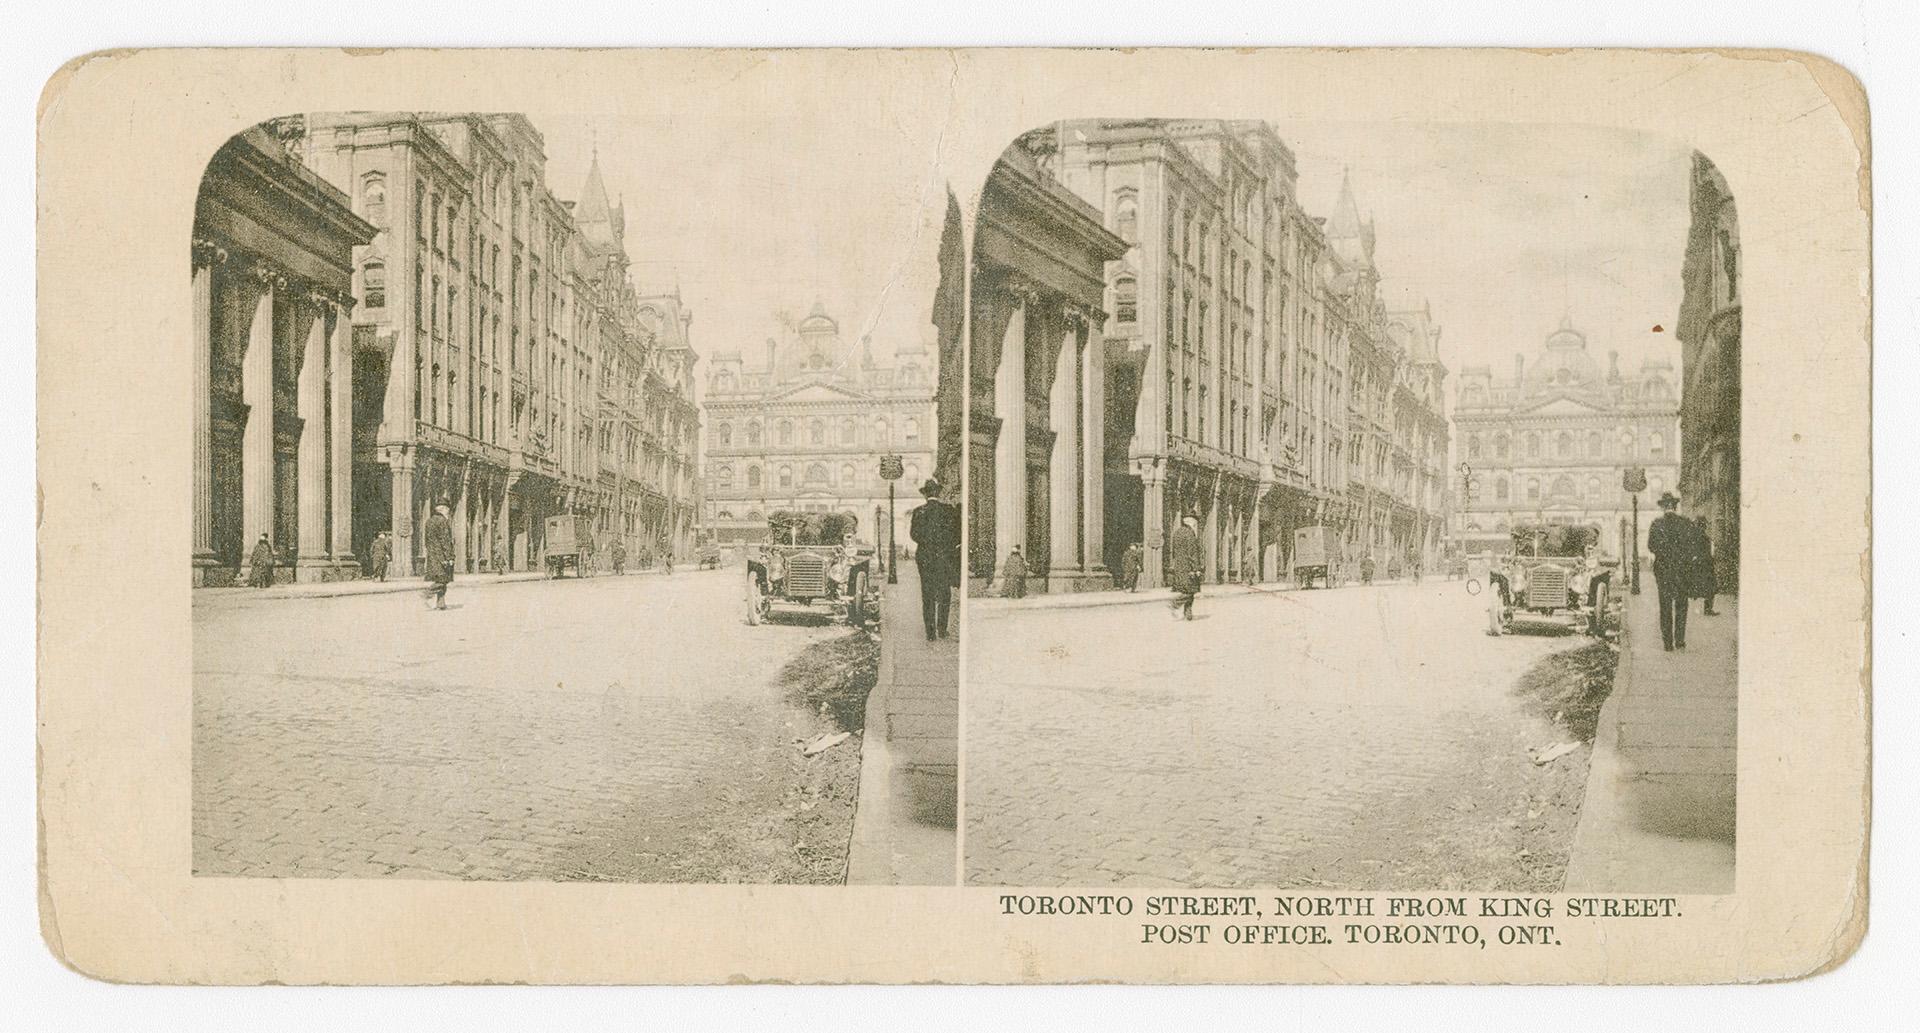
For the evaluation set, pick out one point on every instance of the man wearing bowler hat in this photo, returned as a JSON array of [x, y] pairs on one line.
[[1186, 565], [1676, 544], [935, 529]]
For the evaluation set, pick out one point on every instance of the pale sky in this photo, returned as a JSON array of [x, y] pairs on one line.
[[752, 219], [1503, 228]]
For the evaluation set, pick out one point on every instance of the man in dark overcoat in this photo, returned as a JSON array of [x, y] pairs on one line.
[[1186, 565], [439, 544], [934, 527], [382, 555], [262, 559], [1676, 544], [1130, 567]]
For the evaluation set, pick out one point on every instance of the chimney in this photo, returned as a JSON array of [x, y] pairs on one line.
[[769, 355], [1613, 365], [1519, 367]]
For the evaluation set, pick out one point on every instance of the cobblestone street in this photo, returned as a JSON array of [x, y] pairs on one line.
[[1364, 738], [612, 728]]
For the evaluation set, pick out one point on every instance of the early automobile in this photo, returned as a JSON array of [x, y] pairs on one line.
[[569, 542], [1316, 554], [1552, 576], [811, 563]]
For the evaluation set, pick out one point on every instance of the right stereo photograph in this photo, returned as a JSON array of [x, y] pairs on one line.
[[1352, 506]]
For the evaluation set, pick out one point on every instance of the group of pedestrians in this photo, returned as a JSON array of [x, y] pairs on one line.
[[1682, 570]]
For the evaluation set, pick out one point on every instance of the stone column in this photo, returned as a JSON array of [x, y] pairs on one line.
[[400, 466], [205, 257], [1093, 447], [312, 454], [1010, 447], [340, 369], [256, 439], [1153, 532], [1063, 469]]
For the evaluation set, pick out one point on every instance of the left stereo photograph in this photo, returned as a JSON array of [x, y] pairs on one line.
[[572, 506]]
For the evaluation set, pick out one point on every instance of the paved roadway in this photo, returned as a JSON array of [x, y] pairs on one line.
[[611, 728], [1283, 739]]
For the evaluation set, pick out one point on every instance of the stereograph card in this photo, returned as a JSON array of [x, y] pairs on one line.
[[1164, 516]]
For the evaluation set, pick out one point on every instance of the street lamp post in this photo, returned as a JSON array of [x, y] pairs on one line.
[[890, 471]]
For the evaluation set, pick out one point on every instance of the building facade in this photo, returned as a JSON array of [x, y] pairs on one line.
[[1037, 377], [805, 427], [1709, 332], [492, 315], [1554, 443], [274, 364], [1238, 327]]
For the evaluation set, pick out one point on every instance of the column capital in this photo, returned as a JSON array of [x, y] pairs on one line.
[[268, 275], [207, 253]]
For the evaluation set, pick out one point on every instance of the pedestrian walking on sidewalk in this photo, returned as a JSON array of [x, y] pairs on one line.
[[261, 576], [1186, 565], [1706, 580], [382, 554], [1013, 575], [1130, 568], [1366, 570], [935, 529], [1676, 544], [439, 540], [499, 558], [619, 556]]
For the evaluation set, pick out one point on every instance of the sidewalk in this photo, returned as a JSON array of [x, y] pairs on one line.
[[1659, 811], [367, 586], [993, 605], [903, 827]]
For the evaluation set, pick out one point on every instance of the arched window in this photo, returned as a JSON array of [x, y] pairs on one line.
[[1596, 445], [848, 432], [1562, 487], [753, 477], [1626, 444], [816, 432], [1473, 447], [1563, 445], [1533, 446], [1501, 490], [1593, 488], [1501, 446], [913, 431], [373, 284], [1126, 217], [786, 432], [724, 475], [880, 437], [1126, 299], [723, 382], [1657, 445], [723, 434], [786, 477], [816, 473], [753, 434], [726, 514], [753, 514], [913, 474], [1533, 489], [1656, 484], [846, 475]]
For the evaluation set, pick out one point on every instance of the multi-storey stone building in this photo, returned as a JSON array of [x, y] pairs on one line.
[[1709, 332], [804, 429], [491, 315], [1037, 376], [1554, 442], [1236, 327], [274, 363]]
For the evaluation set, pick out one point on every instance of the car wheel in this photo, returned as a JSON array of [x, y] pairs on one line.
[[857, 600]]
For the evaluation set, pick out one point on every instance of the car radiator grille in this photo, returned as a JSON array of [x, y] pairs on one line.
[[1547, 587], [806, 575]]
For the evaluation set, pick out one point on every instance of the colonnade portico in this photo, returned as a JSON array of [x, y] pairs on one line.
[[1051, 360]]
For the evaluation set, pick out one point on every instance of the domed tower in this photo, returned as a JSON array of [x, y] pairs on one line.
[[1563, 365]]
